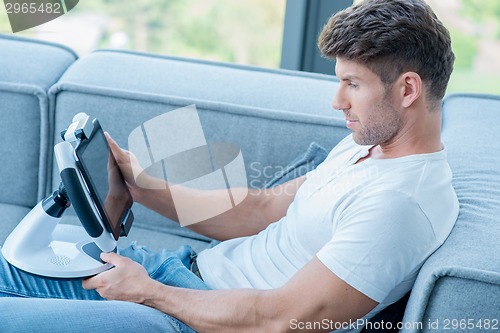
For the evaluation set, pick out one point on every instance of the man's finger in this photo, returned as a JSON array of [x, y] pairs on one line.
[[120, 154], [111, 257], [89, 283], [112, 143]]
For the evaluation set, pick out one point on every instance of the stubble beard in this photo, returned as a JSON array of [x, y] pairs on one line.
[[382, 125]]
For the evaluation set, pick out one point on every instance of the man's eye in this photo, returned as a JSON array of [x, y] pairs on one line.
[[352, 85]]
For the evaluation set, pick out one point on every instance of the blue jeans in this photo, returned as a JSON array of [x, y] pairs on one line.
[[62, 305]]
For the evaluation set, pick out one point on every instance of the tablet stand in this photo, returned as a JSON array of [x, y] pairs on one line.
[[42, 246]]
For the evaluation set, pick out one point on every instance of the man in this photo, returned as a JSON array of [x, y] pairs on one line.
[[332, 247]]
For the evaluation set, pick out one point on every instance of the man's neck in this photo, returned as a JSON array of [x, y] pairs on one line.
[[421, 135]]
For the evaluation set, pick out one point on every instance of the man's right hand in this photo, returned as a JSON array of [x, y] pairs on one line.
[[132, 171]]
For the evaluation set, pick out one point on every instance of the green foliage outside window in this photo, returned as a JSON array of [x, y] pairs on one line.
[[481, 9], [466, 48], [250, 32]]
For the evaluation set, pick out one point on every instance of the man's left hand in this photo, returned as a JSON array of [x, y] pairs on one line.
[[127, 281]]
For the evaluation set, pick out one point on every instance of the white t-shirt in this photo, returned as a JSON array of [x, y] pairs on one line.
[[373, 224]]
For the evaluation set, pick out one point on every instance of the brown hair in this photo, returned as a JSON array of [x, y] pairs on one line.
[[391, 37]]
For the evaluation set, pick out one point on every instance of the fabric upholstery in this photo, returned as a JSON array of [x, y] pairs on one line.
[[302, 164], [27, 69], [462, 278]]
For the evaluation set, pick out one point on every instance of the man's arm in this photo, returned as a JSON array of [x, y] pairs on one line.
[[314, 294], [259, 208]]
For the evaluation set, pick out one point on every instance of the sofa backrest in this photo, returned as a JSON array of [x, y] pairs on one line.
[[470, 133], [465, 270], [272, 115], [27, 69]]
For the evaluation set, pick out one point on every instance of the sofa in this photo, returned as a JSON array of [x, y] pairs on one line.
[[275, 117]]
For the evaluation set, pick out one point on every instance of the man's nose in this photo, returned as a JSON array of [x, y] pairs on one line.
[[340, 102]]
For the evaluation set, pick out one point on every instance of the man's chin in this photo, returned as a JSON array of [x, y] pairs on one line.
[[359, 139]]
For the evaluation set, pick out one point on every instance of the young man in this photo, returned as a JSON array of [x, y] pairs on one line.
[[349, 238]]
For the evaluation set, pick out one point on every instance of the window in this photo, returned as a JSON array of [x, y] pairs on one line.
[[474, 27], [246, 31], [251, 32]]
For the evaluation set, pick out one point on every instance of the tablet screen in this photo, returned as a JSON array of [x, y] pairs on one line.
[[104, 179]]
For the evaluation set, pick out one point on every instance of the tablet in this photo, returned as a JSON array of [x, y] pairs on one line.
[[104, 180]]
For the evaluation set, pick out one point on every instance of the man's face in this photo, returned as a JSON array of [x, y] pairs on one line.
[[367, 104]]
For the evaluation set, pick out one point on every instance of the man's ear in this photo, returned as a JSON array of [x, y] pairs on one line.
[[411, 88]]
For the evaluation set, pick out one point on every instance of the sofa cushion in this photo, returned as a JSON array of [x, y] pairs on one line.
[[302, 164], [468, 260], [270, 114], [27, 69]]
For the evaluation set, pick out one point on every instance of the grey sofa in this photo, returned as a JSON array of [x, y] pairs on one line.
[[274, 116]]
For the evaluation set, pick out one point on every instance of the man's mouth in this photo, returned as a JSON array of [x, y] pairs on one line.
[[350, 123]]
